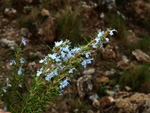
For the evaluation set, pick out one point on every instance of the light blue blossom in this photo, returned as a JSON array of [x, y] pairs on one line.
[[94, 45], [41, 61], [49, 76], [100, 34], [4, 89], [20, 71], [84, 64], [22, 60], [53, 56], [64, 83], [66, 49], [12, 62], [69, 55], [71, 70], [57, 59], [63, 54], [7, 81], [58, 43], [111, 32], [107, 39], [23, 41], [39, 72], [20, 85], [87, 54], [88, 61], [5, 108], [97, 40]]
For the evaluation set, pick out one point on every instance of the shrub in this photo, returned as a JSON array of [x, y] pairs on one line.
[[137, 77]]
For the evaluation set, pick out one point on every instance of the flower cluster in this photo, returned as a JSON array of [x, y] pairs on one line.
[[63, 56]]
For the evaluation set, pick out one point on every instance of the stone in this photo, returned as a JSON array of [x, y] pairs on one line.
[[141, 56], [10, 43], [49, 30], [131, 104], [128, 88], [96, 103], [105, 101], [102, 79], [10, 12], [90, 111], [45, 12], [89, 71], [84, 85], [111, 72], [108, 53], [93, 97]]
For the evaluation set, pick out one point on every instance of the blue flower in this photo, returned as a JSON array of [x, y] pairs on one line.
[[107, 39], [66, 49], [63, 54], [69, 55], [4, 89], [64, 83], [20, 71], [39, 72], [94, 45], [49, 76], [58, 43], [41, 61], [20, 85], [53, 56], [12, 62], [99, 34], [87, 54], [111, 32], [84, 64], [23, 41], [22, 60], [71, 70]]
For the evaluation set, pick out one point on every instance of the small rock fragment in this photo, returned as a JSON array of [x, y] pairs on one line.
[[102, 79], [45, 12], [96, 103], [141, 56], [89, 71]]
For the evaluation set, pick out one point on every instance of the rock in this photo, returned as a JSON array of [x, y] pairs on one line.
[[141, 56], [49, 30], [108, 53], [29, 1], [90, 111], [128, 88], [2, 111], [45, 12], [106, 101], [111, 72], [96, 103], [89, 71], [110, 93], [102, 79], [10, 43], [10, 12], [132, 38], [146, 111], [93, 97], [84, 85], [132, 104], [123, 63]]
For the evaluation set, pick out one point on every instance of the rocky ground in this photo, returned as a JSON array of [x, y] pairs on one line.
[[117, 82]]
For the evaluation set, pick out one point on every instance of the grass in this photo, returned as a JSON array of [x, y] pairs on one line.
[[137, 78], [69, 26], [117, 22]]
